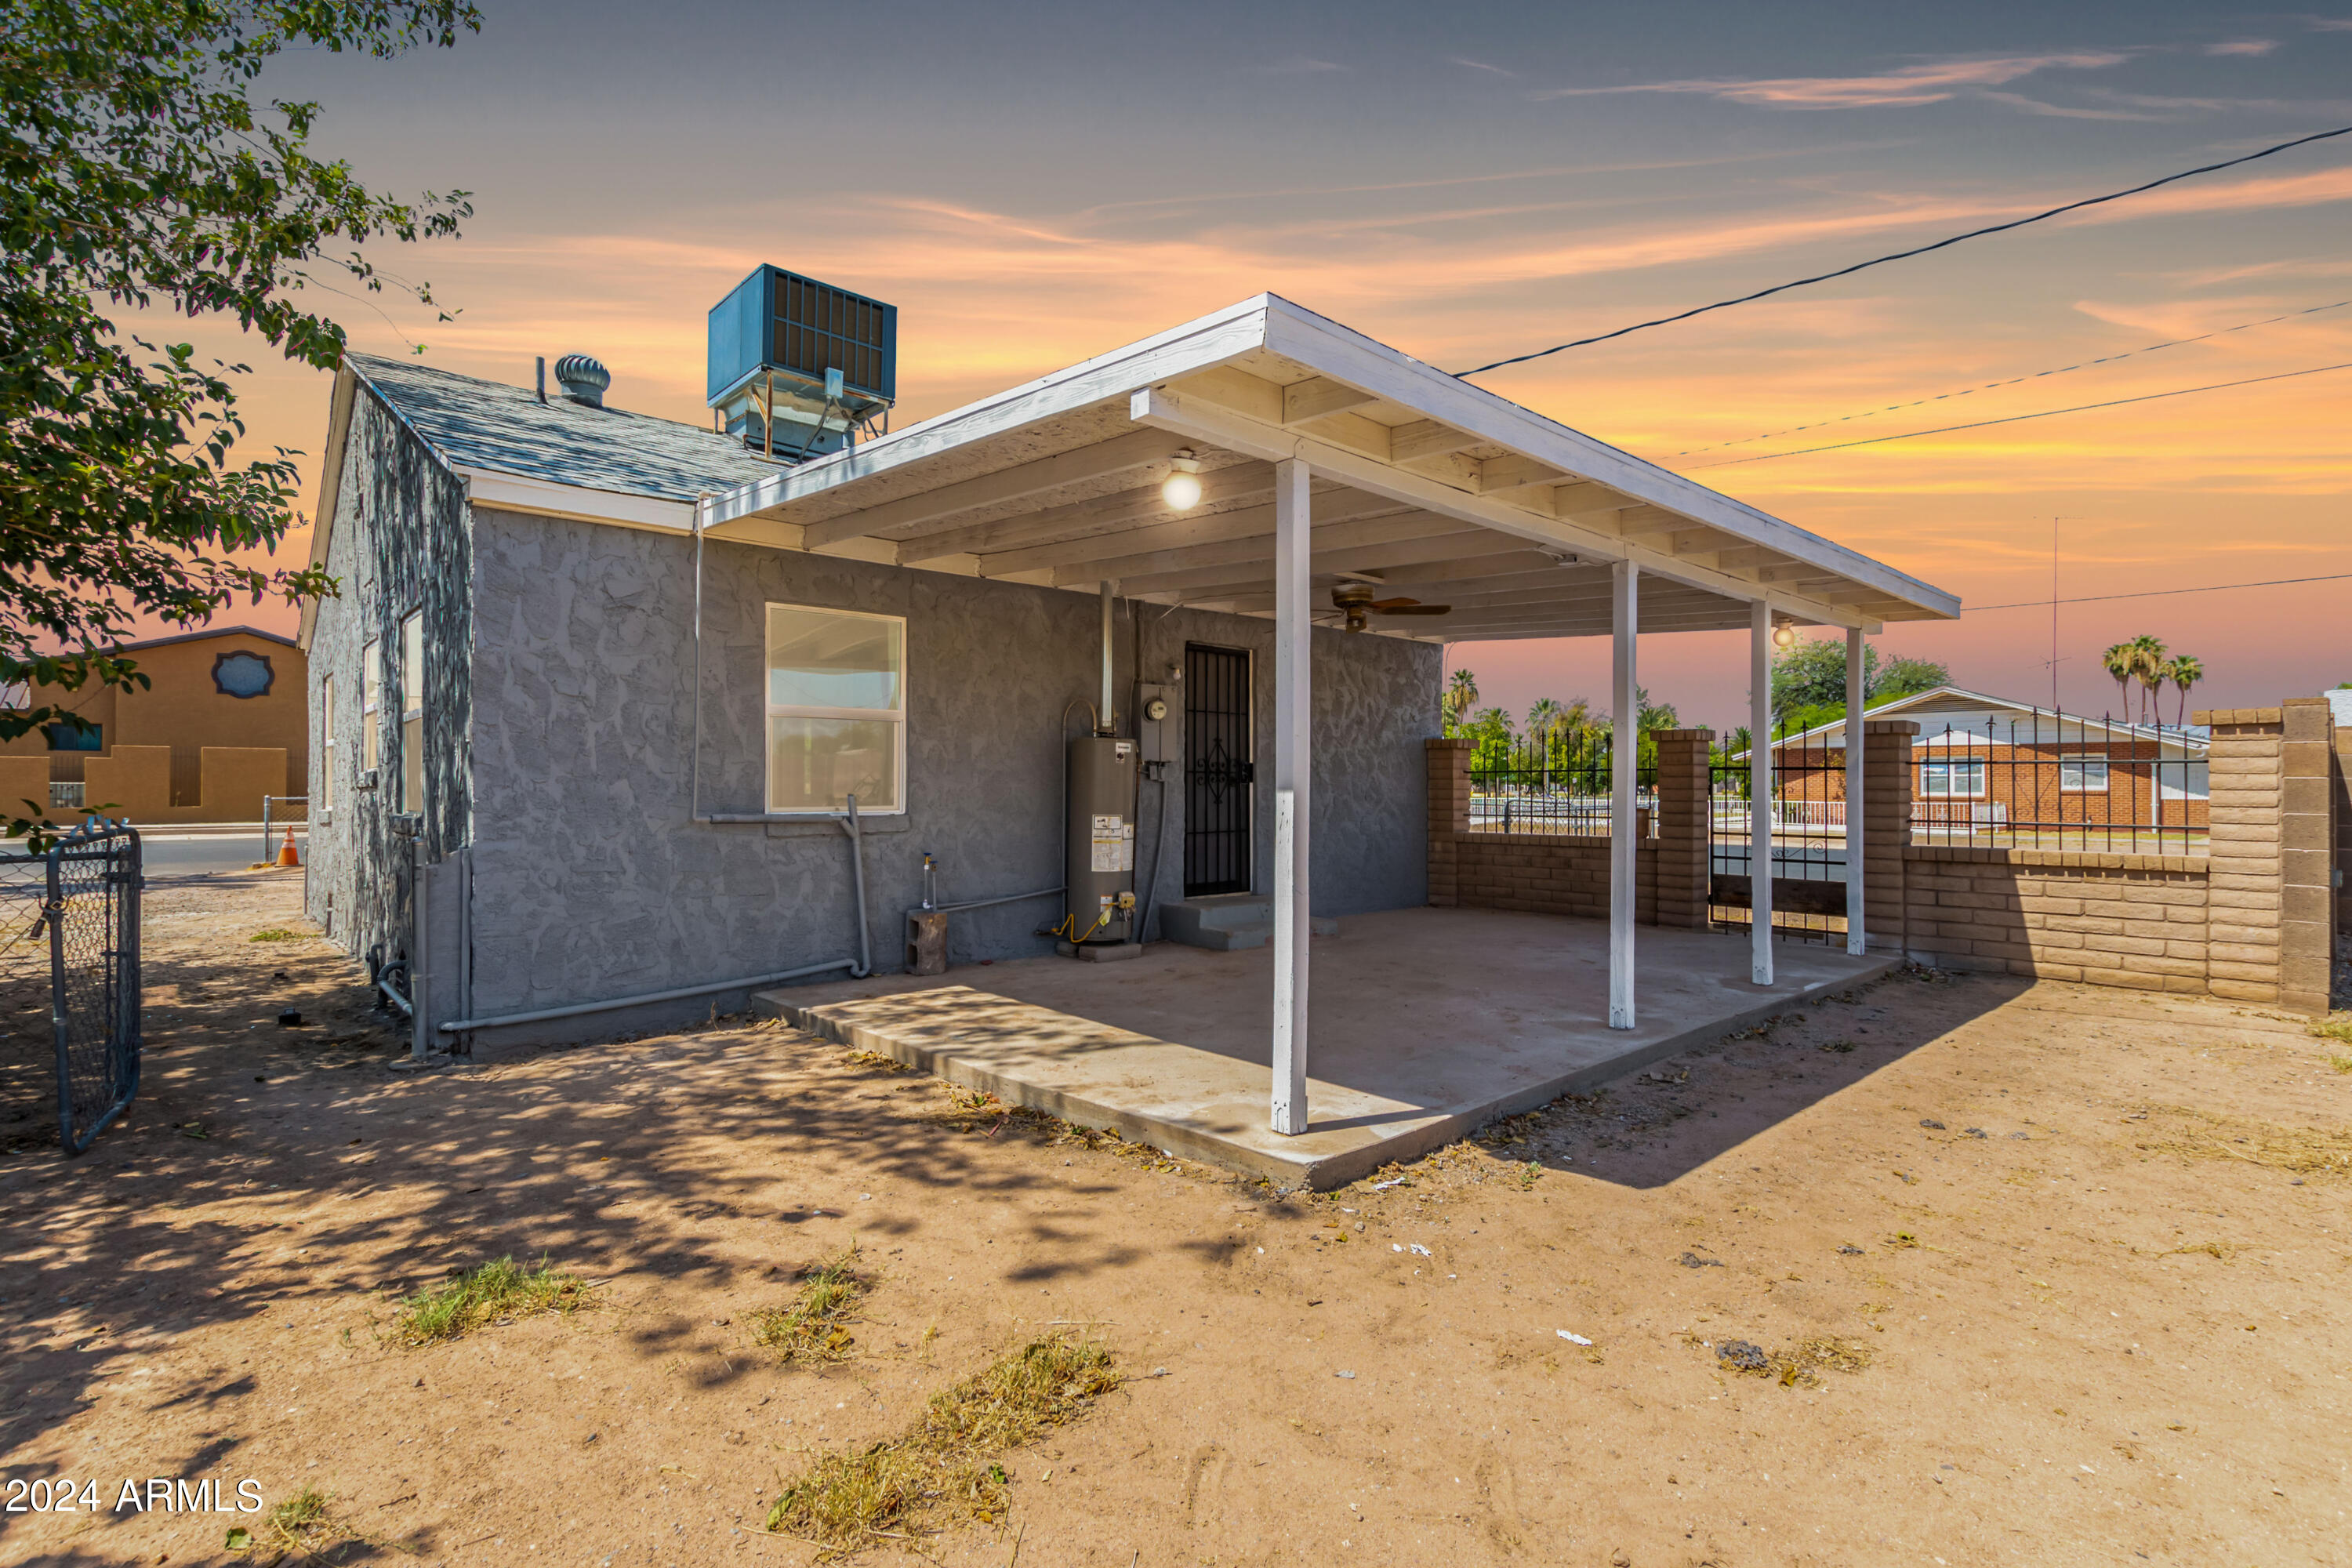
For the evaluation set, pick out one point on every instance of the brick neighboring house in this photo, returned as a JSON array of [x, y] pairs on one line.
[[1986, 762], [224, 721]]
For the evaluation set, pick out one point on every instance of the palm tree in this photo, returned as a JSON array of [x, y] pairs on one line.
[[2148, 668], [2184, 670], [2117, 660], [1461, 696], [1543, 722]]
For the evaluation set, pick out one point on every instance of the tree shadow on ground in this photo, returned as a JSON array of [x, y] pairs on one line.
[[1659, 1122]]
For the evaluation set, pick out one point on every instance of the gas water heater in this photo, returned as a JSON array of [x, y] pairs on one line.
[[1101, 897]]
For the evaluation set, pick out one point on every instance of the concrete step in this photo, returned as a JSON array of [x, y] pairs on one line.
[[1227, 922]]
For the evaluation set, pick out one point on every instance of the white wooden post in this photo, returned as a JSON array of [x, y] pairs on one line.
[[1624, 751], [1293, 761], [1760, 791], [1856, 940]]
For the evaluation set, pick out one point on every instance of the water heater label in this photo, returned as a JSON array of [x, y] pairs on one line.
[[1113, 844]]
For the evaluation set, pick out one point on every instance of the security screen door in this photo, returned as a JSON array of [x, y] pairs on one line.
[[1218, 772]]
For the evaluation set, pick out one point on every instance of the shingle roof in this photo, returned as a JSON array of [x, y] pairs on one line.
[[506, 429]]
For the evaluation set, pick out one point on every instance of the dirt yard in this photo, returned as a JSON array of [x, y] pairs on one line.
[[1953, 1271]]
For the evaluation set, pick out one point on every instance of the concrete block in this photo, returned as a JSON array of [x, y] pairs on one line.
[[2235, 990], [2224, 968]]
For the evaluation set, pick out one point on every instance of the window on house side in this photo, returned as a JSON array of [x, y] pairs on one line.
[[412, 712], [836, 707], [326, 742], [2083, 775], [1956, 780], [371, 701]]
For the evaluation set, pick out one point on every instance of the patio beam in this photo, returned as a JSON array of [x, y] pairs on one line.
[[1239, 484], [1215, 527], [1624, 606], [1111, 459], [1293, 761], [1317, 396], [1217, 424], [1375, 520], [1759, 791]]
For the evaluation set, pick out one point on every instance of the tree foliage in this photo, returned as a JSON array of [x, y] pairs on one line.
[[138, 172], [1809, 679]]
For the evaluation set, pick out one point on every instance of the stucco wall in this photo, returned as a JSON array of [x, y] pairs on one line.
[[400, 542], [590, 881]]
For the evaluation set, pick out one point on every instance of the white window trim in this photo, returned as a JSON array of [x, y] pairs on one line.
[[1983, 773], [2107, 775], [771, 709], [327, 741], [370, 703]]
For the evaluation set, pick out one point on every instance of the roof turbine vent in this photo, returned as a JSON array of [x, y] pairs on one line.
[[582, 379]]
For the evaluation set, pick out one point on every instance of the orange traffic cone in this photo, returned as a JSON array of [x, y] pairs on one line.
[[289, 855]]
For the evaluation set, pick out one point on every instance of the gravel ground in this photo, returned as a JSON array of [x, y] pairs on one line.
[[1949, 1272]]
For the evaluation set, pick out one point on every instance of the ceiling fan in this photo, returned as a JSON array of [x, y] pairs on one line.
[[1354, 599]]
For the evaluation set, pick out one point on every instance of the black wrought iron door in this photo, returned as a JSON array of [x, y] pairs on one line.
[[1218, 772]]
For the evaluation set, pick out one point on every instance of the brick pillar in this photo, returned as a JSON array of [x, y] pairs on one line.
[[2243, 902], [1684, 828], [1448, 758], [2307, 926], [2340, 793], [1885, 829]]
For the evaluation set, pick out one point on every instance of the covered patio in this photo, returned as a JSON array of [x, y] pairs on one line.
[[1267, 461], [1428, 1023]]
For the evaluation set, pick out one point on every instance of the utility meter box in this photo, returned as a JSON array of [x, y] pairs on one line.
[[1101, 900]]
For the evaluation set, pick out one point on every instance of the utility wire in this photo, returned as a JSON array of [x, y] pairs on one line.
[[1905, 255], [2155, 594], [2012, 381], [2016, 418]]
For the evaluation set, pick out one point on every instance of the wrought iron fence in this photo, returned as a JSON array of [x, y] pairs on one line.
[[1563, 788], [1806, 848], [2060, 781], [70, 978]]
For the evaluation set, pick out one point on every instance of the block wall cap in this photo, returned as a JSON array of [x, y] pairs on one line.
[[1890, 726]]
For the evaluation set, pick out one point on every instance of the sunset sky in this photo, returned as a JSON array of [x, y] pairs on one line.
[[1034, 184]]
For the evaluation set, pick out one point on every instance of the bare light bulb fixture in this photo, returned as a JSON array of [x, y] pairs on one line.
[[1784, 635], [1181, 489]]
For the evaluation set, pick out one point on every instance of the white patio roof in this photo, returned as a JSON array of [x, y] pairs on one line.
[[1424, 487]]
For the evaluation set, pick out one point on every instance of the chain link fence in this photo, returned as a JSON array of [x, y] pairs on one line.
[[69, 1015]]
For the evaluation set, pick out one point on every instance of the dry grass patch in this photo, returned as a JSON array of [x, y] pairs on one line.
[[279, 933], [487, 1293], [1800, 1364], [2305, 1151], [304, 1523], [2337, 1029], [946, 1465], [815, 1326]]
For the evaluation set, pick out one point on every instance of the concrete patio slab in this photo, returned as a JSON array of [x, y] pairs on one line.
[[1428, 1023]]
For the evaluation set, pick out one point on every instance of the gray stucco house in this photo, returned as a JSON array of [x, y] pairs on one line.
[[600, 689], [508, 683]]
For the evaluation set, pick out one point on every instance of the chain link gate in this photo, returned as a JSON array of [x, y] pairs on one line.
[[70, 950]]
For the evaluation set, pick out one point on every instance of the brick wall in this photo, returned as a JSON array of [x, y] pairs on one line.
[[1567, 874], [2340, 793], [2134, 921], [2253, 921]]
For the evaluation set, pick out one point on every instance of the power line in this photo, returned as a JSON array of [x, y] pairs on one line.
[[2155, 593], [2016, 418], [2014, 379], [1905, 255]]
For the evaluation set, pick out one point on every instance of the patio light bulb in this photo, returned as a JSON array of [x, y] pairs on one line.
[[1783, 635], [1181, 490]]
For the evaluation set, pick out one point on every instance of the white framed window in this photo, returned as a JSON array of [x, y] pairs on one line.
[[326, 802], [2083, 775], [371, 702], [836, 708], [412, 712], [1960, 779]]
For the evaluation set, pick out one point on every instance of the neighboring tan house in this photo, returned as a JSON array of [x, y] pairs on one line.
[[221, 723], [1989, 762]]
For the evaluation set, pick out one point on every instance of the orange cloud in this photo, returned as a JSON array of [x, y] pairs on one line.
[[1910, 85]]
